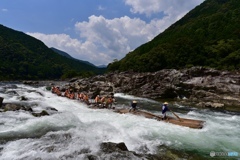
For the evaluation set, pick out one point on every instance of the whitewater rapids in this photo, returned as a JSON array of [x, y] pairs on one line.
[[76, 127]]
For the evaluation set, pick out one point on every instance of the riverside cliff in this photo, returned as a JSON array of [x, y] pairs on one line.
[[196, 86]]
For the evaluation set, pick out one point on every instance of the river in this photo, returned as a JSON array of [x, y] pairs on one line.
[[76, 127]]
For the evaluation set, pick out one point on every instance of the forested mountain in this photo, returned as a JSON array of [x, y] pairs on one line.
[[209, 35], [68, 56], [24, 57], [61, 52]]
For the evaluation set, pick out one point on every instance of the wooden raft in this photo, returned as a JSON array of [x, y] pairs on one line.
[[191, 123]]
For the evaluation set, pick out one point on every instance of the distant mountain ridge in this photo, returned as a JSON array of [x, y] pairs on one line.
[[209, 35], [61, 52], [102, 66], [25, 57], [68, 56]]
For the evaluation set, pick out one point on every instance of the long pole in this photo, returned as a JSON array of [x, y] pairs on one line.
[[175, 115]]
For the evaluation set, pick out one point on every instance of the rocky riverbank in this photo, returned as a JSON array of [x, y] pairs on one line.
[[196, 86]]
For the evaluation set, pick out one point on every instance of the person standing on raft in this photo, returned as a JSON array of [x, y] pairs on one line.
[[134, 106], [164, 110]]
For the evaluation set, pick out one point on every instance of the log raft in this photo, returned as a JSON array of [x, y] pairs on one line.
[[191, 123]]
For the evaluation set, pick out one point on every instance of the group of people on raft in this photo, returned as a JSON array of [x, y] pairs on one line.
[[102, 102]]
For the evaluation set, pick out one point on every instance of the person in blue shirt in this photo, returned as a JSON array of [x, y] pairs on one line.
[[134, 106], [164, 110]]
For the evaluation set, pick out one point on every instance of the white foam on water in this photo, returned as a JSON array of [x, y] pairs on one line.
[[76, 127], [35, 127], [131, 97]]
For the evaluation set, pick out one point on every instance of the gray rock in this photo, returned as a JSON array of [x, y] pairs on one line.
[[1, 100], [73, 80], [12, 93], [52, 109], [23, 98], [43, 113], [119, 151], [109, 147], [193, 85], [30, 82], [12, 107], [214, 105]]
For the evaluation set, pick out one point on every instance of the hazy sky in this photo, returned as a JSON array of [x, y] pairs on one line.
[[97, 31]]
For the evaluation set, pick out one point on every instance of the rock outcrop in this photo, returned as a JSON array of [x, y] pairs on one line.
[[4, 107], [197, 86], [109, 147]]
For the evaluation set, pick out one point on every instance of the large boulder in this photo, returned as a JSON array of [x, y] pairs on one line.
[[109, 147]]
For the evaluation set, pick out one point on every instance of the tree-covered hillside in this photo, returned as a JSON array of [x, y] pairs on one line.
[[209, 35], [24, 57], [68, 56]]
